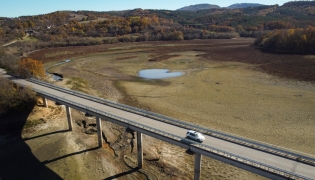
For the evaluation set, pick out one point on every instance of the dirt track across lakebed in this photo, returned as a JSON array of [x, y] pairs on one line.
[[228, 85]]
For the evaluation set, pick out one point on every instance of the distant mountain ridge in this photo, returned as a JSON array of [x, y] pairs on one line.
[[244, 5], [197, 7]]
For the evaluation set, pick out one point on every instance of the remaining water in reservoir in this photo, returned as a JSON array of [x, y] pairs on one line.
[[57, 77], [158, 74]]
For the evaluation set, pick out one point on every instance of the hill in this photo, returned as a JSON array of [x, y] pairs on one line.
[[262, 17], [91, 28], [199, 7], [244, 5]]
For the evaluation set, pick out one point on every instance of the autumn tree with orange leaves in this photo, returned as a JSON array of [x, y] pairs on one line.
[[29, 67]]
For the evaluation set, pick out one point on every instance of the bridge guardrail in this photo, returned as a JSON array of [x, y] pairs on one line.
[[208, 148], [298, 156]]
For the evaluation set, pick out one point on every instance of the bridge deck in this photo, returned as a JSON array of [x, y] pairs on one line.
[[253, 154]]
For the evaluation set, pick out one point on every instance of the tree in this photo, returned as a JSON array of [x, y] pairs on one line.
[[13, 96], [155, 20], [9, 61], [144, 21], [178, 35], [2, 33], [29, 67], [30, 24], [135, 29], [1, 51], [25, 25], [290, 41]]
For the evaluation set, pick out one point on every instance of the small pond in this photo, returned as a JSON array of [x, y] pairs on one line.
[[158, 74], [56, 76]]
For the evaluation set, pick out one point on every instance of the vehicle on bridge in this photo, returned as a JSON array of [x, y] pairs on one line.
[[194, 135]]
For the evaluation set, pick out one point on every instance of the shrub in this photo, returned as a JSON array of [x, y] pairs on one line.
[[9, 62]]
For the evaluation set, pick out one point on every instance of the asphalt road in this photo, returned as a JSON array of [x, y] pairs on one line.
[[256, 155]]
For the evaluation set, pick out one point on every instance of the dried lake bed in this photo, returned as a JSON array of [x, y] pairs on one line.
[[225, 86]]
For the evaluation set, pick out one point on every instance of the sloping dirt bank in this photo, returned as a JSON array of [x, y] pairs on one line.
[[45, 149]]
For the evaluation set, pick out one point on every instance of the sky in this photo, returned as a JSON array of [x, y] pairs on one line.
[[16, 8]]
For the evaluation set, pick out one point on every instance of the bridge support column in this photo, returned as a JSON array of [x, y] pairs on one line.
[[99, 132], [140, 149], [69, 118], [45, 102], [197, 166]]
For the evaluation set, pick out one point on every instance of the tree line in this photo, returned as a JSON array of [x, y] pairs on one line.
[[12, 96], [62, 28], [300, 40]]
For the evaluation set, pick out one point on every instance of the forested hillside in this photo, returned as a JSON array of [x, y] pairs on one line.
[[244, 5], [290, 15], [198, 7], [289, 41], [66, 28]]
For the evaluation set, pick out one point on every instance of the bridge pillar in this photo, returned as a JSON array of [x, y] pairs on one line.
[[197, 166], [45, 102], [140, 149], [69, 117], [99, 132]]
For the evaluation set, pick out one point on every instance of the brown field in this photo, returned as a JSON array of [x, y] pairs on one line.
[[228, 85]]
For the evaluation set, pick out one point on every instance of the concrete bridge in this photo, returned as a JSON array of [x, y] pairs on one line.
[[263, 159]]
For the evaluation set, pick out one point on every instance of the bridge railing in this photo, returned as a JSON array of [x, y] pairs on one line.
[[298, 156], [203, 147]]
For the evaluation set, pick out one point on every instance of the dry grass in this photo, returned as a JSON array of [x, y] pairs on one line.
[[57, 54], [77, 84]]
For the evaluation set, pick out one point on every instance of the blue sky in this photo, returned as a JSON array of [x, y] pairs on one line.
[[15, 8]]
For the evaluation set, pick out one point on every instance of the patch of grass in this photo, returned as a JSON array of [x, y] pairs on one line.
[[69, 82], [130, 47], [78, 84], [96, 20], [33, 123], [60, 53], [32, 39]]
